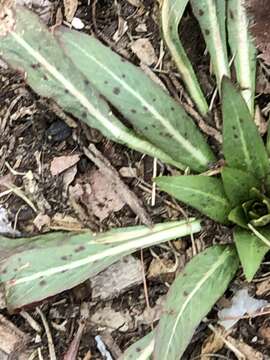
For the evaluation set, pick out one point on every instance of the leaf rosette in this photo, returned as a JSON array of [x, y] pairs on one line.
[[254, 211]]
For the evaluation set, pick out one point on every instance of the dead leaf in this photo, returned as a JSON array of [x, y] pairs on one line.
[[160, 266], [128, 172], [70, 7], [69, 176], [263, 287], [144, 51], [245, 349], [42, 220], [264, 332], [62, 163], [101, 196], [212, 344], [5, 181], [108, 318], [136, 3], [123, 191], [65, 222]]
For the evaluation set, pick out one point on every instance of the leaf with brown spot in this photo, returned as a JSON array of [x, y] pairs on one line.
[[32, 48], [32, 269], [190, 298]]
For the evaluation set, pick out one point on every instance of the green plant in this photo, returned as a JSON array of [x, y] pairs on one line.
[[74, 69]]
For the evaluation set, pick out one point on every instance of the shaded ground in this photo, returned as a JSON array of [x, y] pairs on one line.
[[33, 134]]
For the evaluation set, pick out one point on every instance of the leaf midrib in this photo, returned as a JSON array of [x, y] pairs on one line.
[[208, 274], [195, 153], [210, 195], [145, 241]]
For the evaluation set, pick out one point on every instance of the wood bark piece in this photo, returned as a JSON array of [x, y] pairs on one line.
[[120, 187], [117, 279], [12, 341]]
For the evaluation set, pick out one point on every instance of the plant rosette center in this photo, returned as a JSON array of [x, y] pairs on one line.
[[255, 211]]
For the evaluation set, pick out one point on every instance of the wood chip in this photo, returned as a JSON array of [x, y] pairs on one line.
[[117, 279], [144, 51], [248, 352], [13, 341], [70, 7], [120, 187], [62, 163]]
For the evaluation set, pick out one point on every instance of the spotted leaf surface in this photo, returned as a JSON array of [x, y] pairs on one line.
[[251, 250], [141, 349], [237, 184], [201, 192], [209, 15], [152, 112], [242, 145], [191, 296], [29, 46], [45, 265]]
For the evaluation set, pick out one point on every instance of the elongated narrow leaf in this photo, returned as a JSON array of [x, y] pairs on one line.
[[221, 15], [251, 250], [29, 46], [243, 50], [48, 264], [242, 145], [191, 297], [171, 14], [141, 349], [204, 193], [207, 13], [237, 184], [152, 112]]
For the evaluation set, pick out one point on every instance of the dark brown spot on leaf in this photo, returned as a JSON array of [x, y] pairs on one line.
[[201, 12], [133, 111], [231, 14], [207, 32], [116, 90], [79, 248], [64, 258], [42, 283], [86, 82]]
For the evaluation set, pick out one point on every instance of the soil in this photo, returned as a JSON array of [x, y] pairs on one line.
[[33, 133]]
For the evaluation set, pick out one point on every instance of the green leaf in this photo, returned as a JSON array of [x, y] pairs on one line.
[[242, 145], [171, 14], [152, 112], [237, 184], [141, 349], [251, 251], [208, 15], [243, 50], [191, 297], [238, 217], [45, 265], [204, 193], [31, 47]]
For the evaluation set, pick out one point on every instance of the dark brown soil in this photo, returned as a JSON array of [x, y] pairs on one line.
[[34, 135]]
